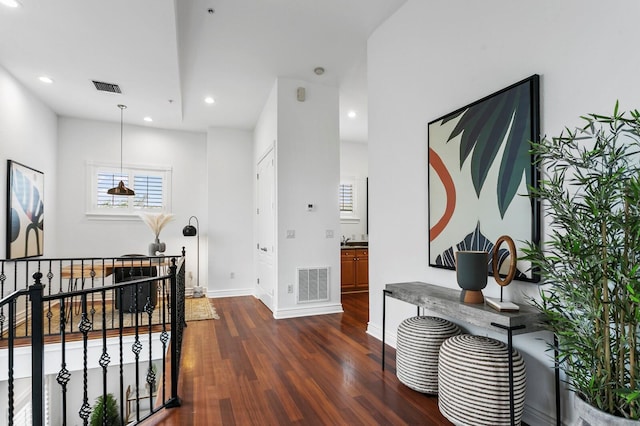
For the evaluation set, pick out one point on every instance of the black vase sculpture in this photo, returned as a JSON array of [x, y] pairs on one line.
[[471, 272]]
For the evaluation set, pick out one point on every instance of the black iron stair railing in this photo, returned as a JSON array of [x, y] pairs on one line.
[[152, 319]]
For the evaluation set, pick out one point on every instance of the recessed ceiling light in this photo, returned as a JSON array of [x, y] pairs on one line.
[[45, 79], [209, 100], [318, 70], [10, 3], [148, 119], [351, 114]]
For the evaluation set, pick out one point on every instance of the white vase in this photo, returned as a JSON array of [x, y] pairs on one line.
[[588, 415]]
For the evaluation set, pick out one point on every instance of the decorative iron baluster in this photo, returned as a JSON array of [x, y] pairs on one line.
[[136, 348], [49, 312], [105, 359], [151, 375], [12, 336], [164, 338], [118, 295], [85, 326], [92, 275], [64, 375], [3, 278]]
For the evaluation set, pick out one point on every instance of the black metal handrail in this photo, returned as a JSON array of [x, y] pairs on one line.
[[150, 310]]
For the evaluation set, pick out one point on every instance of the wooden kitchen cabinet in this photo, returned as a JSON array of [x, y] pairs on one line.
[[354, 270]]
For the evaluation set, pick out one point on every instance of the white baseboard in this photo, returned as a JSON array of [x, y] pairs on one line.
[[389, 338], [214, 294], [308, 311], [533, 416]]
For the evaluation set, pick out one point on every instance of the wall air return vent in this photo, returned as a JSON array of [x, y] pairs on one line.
[[313, 284], [106, 87]]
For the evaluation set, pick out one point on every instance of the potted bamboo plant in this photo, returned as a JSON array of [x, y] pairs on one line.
[[590, 261]]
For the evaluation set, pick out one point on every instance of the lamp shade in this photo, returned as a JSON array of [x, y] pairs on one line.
[[189, 231]]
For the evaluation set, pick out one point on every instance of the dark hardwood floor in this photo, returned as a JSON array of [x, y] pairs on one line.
[[249, 369]]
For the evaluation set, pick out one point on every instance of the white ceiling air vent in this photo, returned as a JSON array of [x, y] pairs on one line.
[[106, 87]]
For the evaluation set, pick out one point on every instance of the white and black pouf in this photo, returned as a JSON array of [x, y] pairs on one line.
[[473, 374], [419, 340]]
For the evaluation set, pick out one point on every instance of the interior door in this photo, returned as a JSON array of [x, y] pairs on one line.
[[266, 230]]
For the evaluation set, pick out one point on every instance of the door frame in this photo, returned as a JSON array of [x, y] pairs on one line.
[[270, 300]]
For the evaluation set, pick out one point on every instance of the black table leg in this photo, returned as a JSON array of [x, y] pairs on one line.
[[557, 379], [512, 405], [384, 320]]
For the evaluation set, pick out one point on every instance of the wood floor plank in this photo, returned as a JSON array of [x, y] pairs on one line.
[[249, 369]]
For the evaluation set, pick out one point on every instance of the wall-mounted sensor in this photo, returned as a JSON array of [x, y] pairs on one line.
[[301, 94], [310, 207]]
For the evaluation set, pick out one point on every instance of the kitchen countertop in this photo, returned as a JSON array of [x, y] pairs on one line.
[[364, 246]]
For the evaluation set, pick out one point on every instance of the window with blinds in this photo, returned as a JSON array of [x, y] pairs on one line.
[[149, 192], [151, 187], [346, 197], [348, 200]]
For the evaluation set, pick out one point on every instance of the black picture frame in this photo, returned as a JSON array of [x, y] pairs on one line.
[[25, 211], [480, 171]]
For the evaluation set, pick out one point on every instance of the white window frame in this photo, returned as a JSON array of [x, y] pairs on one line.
[[352, 216], [94, 211]]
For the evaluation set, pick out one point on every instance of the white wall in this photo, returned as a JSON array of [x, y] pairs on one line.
[[308, 171], [81, 141], [431, 58], [305, 136], [231, 180], [28, 135], [266, 131], [354, 164]]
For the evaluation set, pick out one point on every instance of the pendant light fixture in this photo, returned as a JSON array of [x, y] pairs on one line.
[[121, 189]]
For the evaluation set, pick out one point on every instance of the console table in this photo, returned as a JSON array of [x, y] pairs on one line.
[[446, 301]]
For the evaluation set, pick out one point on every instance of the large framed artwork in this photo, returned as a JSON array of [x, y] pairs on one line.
[[480, 170], [25, 211]]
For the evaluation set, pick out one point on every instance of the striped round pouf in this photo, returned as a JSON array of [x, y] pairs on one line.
[[473, 372], [419, 340]]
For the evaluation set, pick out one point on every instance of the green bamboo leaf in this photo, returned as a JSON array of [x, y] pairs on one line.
[[591, 258]]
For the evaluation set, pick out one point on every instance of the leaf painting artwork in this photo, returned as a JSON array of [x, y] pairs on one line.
[[25, 215], [480, 171]]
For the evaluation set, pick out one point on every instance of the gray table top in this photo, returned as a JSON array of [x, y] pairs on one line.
[[446, 301]]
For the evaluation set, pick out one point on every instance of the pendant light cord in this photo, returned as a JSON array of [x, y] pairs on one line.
[[122, 107]]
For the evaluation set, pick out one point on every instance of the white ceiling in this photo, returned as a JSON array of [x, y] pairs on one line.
[[167, 55]]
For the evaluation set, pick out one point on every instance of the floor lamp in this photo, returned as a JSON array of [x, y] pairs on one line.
[[192, 231]]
